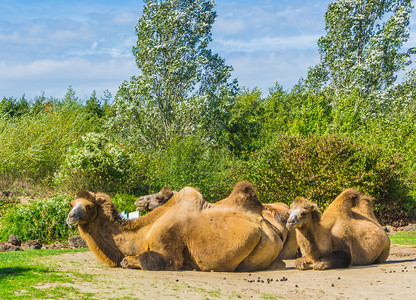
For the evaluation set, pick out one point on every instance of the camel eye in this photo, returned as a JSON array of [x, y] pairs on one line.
[[303, 213], [89, 208]]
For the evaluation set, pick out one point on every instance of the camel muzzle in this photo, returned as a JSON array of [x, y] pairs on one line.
[[72, 218], [291, 223]]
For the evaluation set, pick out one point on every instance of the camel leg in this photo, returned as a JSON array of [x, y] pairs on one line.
[[148, 260], [333, 260]]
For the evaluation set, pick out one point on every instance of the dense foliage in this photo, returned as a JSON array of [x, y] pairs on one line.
[[43, 219], [182, 123]]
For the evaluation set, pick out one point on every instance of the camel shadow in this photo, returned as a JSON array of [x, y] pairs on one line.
[[15, 271], [400, 261], [388, 262]]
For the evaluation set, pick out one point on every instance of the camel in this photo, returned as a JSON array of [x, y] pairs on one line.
[[150, 202], [202, 236], [346, 234], [276, 213]]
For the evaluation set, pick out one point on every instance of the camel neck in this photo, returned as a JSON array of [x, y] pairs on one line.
[[313, 239], [99, 236]]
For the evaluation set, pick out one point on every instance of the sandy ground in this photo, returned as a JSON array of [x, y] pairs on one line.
[[395, 279]]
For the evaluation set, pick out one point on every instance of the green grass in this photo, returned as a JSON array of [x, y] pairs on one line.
[[404, 238], [22, 273]]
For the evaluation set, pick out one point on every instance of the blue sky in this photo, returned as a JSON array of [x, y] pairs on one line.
[[47, 46]]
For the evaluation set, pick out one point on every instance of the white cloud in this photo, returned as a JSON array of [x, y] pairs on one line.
[[54, 76], [264, 69], [268, 43]]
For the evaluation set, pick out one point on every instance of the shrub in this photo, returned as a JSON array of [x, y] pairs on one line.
[[319, 168], [93, 164], [32, 146], [191, 162], [124, 202], [42, 219]]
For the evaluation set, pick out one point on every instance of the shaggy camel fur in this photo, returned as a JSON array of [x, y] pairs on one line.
[[203, 236], [347, 233], [276, 213]]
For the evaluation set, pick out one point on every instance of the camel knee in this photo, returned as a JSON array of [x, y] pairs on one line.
[[333, 260], [277, 264], [148, 260], [153, 261], [384, 255]]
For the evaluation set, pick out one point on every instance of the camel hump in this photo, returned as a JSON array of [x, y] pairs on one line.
[[189, 198], [244, 195], [351, 196], [247, 188], [345, 201]]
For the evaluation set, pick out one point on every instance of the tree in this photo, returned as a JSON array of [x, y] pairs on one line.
[[93, 106], [14, 108], [361, 50], [179, 73], [245, 124]]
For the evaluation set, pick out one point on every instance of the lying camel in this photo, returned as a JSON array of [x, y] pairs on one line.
[[150, 202], [347, 234], [276, 213], [203, 236]]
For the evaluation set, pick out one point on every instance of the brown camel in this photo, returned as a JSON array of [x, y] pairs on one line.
[[203, 236], [347, 234], [276, 213], [150, 202]]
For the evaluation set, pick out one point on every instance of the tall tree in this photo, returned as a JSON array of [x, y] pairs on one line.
[[361, 50], [179, 73]]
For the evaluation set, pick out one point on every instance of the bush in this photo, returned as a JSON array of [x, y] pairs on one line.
[[94, 164], [191, 162], [42, 219], [32, 146], [320, 168], [124, 202]]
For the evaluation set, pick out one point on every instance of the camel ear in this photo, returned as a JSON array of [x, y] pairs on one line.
[[314, 206], [166, 191]]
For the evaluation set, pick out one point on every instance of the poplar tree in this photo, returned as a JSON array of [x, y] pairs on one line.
[[179, 73], [362, 48]]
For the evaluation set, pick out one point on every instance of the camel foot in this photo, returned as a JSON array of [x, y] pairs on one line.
[[130, 262], [320, 265], [302, 264]]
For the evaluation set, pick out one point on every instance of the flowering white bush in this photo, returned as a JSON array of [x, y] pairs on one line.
[[94, 164]]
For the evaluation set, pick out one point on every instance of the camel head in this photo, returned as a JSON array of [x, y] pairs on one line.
[[301, 211], [83, 209], [150, 202]]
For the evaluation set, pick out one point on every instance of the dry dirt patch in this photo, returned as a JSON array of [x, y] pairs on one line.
[[395, 279]]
